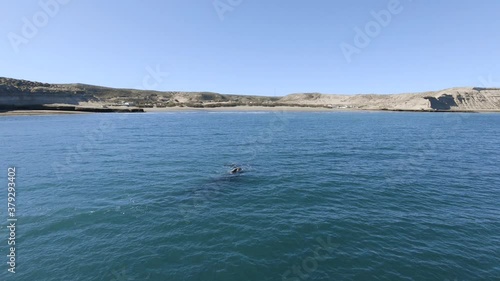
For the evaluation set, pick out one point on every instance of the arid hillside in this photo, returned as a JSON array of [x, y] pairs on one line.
[[14, 92], [459, 99]]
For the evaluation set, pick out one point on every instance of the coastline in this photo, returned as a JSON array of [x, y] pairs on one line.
[[40, 112], [244, 108], [24, 97], [185, 109], [30, 112], [42, 109]]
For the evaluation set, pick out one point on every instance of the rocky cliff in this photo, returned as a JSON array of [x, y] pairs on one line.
[[455, 99]]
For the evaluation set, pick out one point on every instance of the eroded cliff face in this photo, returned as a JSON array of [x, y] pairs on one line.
[[466, 99], [22, 92], [458, 99]]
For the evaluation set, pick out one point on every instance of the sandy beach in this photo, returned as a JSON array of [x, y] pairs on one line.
[[244, 108]]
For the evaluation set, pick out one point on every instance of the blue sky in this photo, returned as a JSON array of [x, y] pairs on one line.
[[254, 46]]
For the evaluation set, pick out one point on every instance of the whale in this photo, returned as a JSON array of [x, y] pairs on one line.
[[236, 170]]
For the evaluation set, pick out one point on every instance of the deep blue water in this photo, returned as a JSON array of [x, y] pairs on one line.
[[323, 196]]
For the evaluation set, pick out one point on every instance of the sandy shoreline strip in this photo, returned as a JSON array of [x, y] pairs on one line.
[[182, 109], [243, 109], [229, 109]]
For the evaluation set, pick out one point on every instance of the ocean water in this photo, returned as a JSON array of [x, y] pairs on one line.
[[322, 196]]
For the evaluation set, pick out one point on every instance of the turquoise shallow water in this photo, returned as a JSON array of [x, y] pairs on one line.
[[324, 196]]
